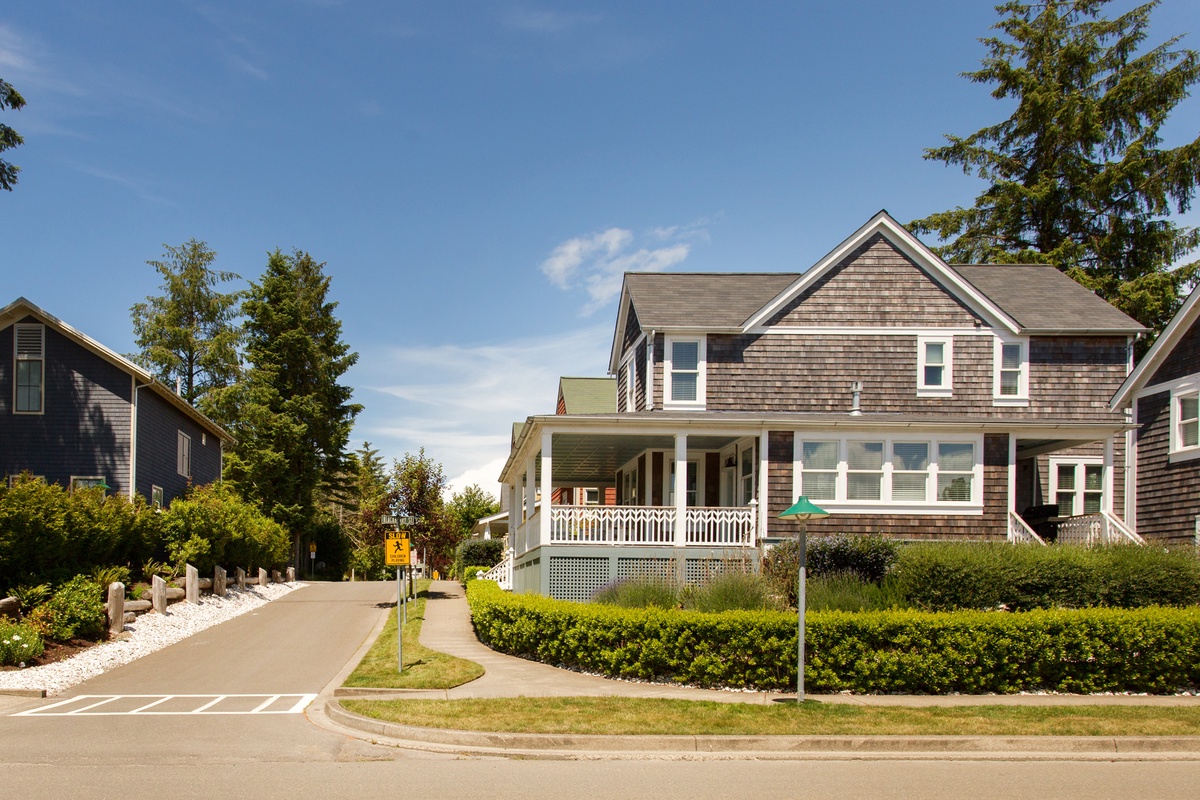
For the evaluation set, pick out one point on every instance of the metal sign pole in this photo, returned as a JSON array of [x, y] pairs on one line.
[[399, 627]]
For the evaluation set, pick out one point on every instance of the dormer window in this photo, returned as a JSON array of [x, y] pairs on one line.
[[30, 357], [684, 373]]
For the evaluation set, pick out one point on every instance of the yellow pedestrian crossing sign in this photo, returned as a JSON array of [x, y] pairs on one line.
[[396, 550]]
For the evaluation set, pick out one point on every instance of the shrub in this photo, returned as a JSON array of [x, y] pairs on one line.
[[908, 651], [73, 611], [31, 596], [481, 552], [18, 643], [871, 558], [639, 593], [105, 576], [948, 575], [731, 591], [471, 573], [213, 525], [844, 591]]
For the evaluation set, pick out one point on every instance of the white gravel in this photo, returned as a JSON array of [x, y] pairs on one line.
[[150, 632]]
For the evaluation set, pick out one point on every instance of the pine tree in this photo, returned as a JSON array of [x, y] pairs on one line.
[[9, 98], [188, 334], [294, 415], [1077, 177]]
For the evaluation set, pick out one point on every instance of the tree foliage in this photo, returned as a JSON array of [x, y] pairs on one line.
[[417, 486], [9, 98], [294, 414], [1077, 175], [189, 334], [469, 506]]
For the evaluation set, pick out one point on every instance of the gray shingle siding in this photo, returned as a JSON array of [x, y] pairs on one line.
[[159, 425], [1168, 495], [84, 430]]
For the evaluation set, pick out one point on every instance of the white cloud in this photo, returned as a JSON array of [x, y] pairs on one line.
[[545, 21], [14, 53], [597, 262], [459, 402]]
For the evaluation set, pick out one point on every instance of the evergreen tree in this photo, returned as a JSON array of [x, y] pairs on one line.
[[188, 334], [294, 416], [9, 98], [1077, 177]]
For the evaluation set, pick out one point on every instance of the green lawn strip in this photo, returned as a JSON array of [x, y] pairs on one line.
[[621, 715], [423, 668]]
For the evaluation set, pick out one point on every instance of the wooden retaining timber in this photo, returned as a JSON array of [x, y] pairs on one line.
[[160, 594]]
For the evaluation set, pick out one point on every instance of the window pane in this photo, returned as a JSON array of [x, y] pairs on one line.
[[954, 488], [819, 455], [1189, 434], [1093, 480], [1091, 502], [1066, 476], [933, 376], [29, 386], [1065, 504], [1010, 356], [906, 486], [685, 355], [820, 485], [934, 353], [956, 457], [683, 386], [910, 455], [864, 487], [1189, 407], [1010, 384], [864, 455]]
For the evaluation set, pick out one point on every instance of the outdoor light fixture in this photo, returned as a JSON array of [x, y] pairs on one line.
[[802, 512]]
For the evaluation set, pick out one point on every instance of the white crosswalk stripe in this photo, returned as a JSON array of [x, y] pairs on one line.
[[172, 705]]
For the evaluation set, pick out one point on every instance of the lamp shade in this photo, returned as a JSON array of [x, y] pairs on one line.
[[804, 510]]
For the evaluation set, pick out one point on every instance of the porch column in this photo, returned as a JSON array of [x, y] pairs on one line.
[[1106, 499], [681, 489], [1012, 474], [761, 525], [544, 535], [530, 487]]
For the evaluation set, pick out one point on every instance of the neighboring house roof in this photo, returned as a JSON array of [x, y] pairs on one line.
[[1158, 353], [1022, 299], [588, 395], [1041, 298], [21, 308], [516, 433]]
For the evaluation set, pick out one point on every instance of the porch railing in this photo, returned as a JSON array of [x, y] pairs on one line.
[[650, 525], [525, 537], [502, 572], [1020, 533], [1091, 529]]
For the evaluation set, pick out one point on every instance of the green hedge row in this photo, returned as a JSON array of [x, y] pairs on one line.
[[1153, 650]]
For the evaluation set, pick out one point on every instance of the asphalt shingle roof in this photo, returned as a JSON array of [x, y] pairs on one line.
[[708, 299], [589, 395], [1040, 297]]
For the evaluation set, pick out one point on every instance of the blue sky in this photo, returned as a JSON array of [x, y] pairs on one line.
[[476, 176]]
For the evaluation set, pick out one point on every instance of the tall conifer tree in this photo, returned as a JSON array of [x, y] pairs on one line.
[[1077, 175], [9, 98]]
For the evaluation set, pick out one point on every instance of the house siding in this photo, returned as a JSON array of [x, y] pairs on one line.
[[85, 428], [159, 425], [1183, 360], [1168, 495], [993, 525]]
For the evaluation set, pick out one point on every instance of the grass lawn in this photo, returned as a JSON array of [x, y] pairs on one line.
[[620, 715], [423, 668]]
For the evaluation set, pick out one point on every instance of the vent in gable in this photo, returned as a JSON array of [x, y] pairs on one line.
[[30, 341]]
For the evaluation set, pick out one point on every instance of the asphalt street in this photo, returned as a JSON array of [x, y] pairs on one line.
[[252, 668]]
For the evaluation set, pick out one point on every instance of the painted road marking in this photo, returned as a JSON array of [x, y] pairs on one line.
[[146, 705]]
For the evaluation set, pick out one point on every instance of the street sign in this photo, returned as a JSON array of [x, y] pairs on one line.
[[396, 549], [312, 547]]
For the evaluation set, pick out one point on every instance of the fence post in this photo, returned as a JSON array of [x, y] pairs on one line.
[[276, 577], [158, 594], [240, 575], [116, 608], [263, 578], [291, 574], [219, 581], [191, 584]]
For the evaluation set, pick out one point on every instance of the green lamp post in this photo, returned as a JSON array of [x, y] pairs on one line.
[[802, 511]]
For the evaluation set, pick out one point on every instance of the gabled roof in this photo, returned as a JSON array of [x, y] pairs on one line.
[[588, 395], [21, 308], [714, 299], [1158, 353], [1041, 298]]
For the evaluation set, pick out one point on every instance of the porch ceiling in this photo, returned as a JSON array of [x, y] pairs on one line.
[[589, 459]]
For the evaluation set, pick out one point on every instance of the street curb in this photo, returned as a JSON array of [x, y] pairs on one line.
[[942, 747]]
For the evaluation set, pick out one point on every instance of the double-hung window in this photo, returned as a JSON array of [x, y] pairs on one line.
[[956, 472], [30, 357], [1078, 486], [935, 362], [910, 471], [819, 462], [1186, 411], [684, 371], [1011, 378], [864, 470]]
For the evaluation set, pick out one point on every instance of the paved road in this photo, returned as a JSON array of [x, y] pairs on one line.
[[298, 644]]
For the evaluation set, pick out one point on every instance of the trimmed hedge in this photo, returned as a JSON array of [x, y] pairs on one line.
[[1153, 650]]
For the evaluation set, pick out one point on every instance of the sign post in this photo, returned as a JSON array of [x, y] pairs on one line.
[[397, 553]]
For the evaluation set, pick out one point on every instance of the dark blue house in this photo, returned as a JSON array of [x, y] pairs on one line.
[[76, 413]]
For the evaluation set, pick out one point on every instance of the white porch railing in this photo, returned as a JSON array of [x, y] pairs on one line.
[[650, 525], [502, 572], [525, 537], [1021, 533], [1101, 528]]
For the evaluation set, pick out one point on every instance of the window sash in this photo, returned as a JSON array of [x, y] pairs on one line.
[[932, 472], [183, 462], [686, 357], [1188, 410], [1011, 370], [29, 385]]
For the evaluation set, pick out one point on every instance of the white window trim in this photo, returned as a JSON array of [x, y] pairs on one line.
[[630, 379], [1175, 450], [886, 505], [701, 369], [1080, 480], [946, 388], [75, 478], [161, 502], [1021, 398], [41, 358], [179, 440]]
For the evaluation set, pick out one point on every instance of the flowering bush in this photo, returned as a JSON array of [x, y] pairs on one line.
[[18, 644]]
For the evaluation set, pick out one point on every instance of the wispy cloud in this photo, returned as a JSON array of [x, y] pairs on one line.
[[597, 262], [14, 51], [142, 188], [459, 402], [546, 21]]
